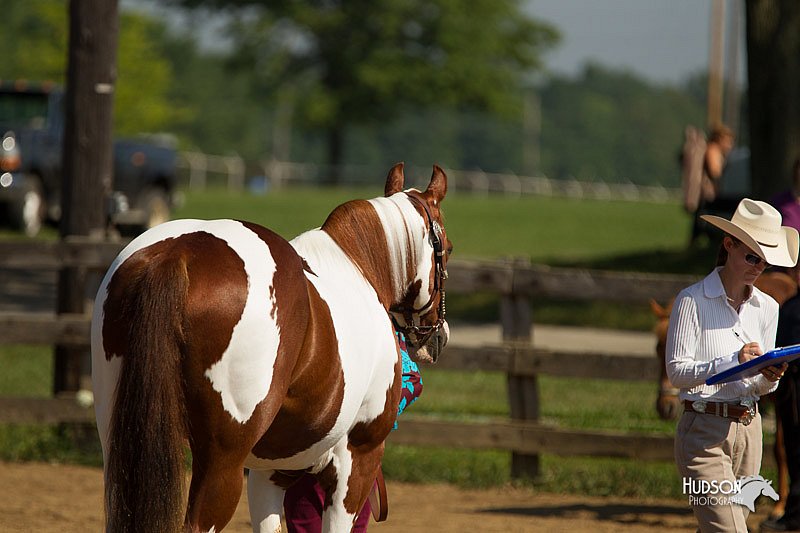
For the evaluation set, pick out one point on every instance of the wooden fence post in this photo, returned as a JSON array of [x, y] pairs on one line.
[[523, 391], [87, 159]]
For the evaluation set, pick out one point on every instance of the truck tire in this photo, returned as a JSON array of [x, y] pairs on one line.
[[151, 209], [27, 215]]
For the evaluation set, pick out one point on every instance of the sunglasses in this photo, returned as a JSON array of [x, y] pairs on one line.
[[753, 259]]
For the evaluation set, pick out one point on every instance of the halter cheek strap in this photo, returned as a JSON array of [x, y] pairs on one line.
[[420, 333]]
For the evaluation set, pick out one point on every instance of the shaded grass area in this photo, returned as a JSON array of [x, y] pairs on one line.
[[564, 402], [65, 443], [565, 475], [27, 370], [592, 476]]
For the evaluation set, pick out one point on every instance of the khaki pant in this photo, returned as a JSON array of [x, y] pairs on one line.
[[717, 449]]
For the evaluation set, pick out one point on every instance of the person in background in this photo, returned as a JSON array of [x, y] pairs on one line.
[[702, 166], [304, 500], [720, 144], [715, 325]]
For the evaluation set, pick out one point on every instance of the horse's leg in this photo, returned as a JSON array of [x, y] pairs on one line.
[[783, 468], [348, 481], [215, 490], [266, 502]]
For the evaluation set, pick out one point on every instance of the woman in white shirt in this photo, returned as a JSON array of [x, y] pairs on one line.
[[716, 324]]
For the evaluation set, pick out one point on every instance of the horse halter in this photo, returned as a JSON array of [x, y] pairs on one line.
[[419, 334]]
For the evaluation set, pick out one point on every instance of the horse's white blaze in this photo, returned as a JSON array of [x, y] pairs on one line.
[[241, 379], [406, 233]]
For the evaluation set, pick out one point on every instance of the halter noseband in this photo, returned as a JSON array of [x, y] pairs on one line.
[[422, 333]]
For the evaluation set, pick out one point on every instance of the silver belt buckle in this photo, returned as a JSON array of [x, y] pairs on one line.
[[750, 404], [699, 406]]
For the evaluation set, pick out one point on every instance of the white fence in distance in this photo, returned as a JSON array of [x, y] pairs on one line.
[[231, 170]]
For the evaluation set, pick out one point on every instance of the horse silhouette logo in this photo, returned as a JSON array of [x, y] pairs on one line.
[[751, 488]]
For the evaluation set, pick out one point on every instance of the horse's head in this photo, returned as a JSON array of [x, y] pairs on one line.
[[667, 403], [780, 285], [419, 311], [400, 246]]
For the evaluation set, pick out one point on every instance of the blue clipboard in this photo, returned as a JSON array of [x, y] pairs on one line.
[[753, 366]]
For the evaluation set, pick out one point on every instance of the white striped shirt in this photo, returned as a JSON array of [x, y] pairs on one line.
[[705, 335]]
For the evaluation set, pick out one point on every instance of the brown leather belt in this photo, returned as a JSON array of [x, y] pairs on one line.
[[743, 412]]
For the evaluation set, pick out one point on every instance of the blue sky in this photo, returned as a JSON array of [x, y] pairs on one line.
[[662, 40]]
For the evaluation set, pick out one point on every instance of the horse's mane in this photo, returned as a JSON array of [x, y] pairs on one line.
[[356, 227]]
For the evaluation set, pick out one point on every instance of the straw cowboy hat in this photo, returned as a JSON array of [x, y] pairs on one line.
[[758, 225]]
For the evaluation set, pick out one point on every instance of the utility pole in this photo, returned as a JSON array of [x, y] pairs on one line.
[[716, 62], [732, 91], [87, 158]]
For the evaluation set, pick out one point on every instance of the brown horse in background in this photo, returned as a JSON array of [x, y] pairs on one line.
[[776, 284]]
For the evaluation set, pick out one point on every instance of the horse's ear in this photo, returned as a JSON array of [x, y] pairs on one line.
[[656, 308], [395, 179], [437, 188]]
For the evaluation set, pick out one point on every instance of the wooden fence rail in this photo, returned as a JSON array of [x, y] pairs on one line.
[[516, 282]]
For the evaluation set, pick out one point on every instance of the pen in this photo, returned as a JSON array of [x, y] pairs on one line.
[[742, 340]]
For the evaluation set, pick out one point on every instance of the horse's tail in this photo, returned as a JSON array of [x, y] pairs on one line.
[[145, 466]]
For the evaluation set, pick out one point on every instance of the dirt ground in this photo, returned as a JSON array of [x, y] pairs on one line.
[[44, 497]]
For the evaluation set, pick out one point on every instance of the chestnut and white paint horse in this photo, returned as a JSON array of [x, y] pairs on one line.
[[275, 356]]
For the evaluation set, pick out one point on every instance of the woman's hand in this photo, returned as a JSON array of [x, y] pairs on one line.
[[774, 373], [751, 350]]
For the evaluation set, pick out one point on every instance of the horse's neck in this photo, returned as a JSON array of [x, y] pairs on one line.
[[377, 237], [329, 262]]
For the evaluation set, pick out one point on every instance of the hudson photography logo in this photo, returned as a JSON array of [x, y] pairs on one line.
[[744, 491]]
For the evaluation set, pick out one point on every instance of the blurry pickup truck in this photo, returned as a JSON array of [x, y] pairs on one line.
[[31, 137]]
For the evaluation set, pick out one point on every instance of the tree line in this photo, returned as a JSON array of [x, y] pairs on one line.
[[413, 89]]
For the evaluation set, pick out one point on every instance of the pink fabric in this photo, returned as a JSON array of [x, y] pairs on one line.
[[302, 506], [787, 204]]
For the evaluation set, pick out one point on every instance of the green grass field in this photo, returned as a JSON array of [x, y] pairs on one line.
[[546, 230], [599, 234]]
